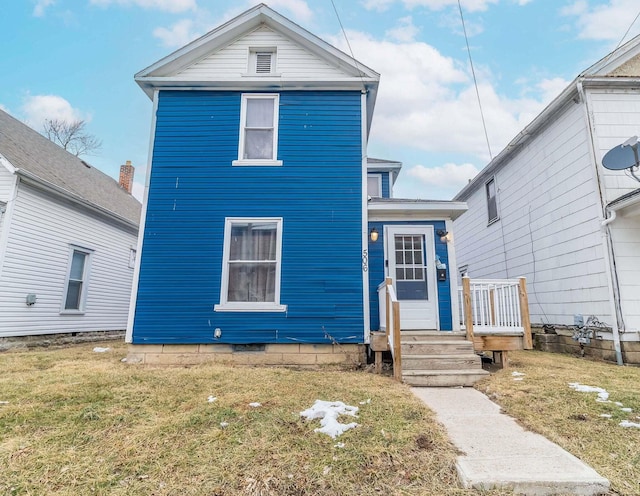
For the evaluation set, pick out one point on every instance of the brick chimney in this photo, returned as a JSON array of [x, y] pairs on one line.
[[126, 176]]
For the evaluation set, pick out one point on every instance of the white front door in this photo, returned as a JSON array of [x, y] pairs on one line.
[[410, 255]]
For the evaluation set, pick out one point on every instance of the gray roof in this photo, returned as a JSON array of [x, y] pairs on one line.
[[37, 157]]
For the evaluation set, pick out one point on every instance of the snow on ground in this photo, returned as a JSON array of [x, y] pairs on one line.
[[515, 373], [4, 402], [606, 415], [328, 413], [628, 410], [99, 349], [224, 424], [211, 399], [255, 404], [603, 395], [626, 423]]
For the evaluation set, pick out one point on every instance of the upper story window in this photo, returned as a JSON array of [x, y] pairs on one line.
[[258, 130], [262, 61], [492, 200], [374, 185], [251, 265]]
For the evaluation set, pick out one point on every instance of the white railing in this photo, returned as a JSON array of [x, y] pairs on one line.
[[495, 306]]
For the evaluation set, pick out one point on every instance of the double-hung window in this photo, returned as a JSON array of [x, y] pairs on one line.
[[374, 185], [77, 280], [258, 130], [492, 201], [251, 265]]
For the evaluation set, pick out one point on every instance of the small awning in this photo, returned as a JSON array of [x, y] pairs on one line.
[[628, 205], [402, 209]]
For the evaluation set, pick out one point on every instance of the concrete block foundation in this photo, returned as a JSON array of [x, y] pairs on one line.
[[286, 355]]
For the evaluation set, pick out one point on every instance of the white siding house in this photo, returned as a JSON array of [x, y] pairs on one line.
[[68, 233], [545, 207]]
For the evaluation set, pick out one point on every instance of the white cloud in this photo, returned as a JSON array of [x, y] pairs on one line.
[[137, 190], [467, 5], [608, 21], [404, 31], [447, 175], [299, 9], [165, 5], [41, 6], [37, 108], [178, 34]]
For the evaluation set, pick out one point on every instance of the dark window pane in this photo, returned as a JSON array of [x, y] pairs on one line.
[[74, 292], [255, 282], [253, 241]]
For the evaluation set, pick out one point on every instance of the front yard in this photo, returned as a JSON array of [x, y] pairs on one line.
[[73, 421]]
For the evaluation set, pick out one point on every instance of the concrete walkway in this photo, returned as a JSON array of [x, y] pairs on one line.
[[498, 453]]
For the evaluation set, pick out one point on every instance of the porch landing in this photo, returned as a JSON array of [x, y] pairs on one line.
[[439, 358]]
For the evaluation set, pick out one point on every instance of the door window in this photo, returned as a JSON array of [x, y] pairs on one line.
[[411, 281]]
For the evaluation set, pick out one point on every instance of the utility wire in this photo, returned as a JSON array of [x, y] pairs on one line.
[[344, 33], [623, 37], [475, 81]]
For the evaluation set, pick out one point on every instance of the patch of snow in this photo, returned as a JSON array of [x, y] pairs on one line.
[[626, 423], [328, 413], [211, 399], [603, 395], [366, 402], [224, 424], [326, 471], [617, 403], [628, 410], [255, 404], [124, 359], [517, 374], [339, 445], [4, 402], [99, 349], [518, 378], [605, 415]]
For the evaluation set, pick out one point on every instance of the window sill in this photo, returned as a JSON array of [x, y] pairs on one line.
[[493, 221], [72, 312], [256, 162], [249, 307]]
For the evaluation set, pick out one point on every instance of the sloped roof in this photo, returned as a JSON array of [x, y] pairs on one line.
[[35, 157], [620, 67]]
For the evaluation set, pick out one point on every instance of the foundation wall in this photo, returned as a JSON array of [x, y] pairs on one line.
[[561, 341], [294, 355]]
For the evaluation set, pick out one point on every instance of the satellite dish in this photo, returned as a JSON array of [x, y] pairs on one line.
[[624, 156]]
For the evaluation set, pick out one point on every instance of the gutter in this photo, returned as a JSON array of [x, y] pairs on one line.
[[609, 257], [32, 178]]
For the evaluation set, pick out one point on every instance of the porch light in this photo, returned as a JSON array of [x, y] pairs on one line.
[[444, 235], [373, 235]]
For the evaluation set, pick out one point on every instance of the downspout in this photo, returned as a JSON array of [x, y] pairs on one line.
[[614, 298]]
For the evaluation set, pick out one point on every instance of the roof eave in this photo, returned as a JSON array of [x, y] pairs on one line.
[[443, 209], [34, 179]]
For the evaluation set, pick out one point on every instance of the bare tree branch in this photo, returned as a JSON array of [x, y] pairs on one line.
[[71, 136]]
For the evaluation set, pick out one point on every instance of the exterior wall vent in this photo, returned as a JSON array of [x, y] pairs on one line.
[[263, 62]]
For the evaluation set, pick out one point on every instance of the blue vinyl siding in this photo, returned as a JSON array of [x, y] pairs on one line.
[[386, 191], [377, 273], [193, 187]]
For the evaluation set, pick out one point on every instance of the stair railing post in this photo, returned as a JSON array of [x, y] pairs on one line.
[[397, 359], [524, 312], [468, 309], [387, 283]]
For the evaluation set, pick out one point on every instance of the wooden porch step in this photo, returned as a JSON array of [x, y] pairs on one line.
[[443, 378], [433, 347], [407, 336], [467, 361]]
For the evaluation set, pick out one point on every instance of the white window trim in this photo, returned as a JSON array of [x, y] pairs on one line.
[[379, 177], [85, 281], [243, 119], [486, 199], [252, 64], [242, 306]]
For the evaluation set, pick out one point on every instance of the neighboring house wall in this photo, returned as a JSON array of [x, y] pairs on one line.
[[7, 183], [193, 186], [43, 228], [616, 117], [549, 225]]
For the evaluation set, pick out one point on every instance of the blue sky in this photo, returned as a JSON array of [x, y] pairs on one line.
[[76, 59]]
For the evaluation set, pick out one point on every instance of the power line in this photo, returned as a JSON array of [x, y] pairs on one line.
[[475, 81], [344, 33], [622, 39]]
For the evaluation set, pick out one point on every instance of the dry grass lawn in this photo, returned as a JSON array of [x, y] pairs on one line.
[[544, 403], [77, 422]]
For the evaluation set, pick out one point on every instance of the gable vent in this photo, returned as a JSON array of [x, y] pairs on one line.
[[263, 62]]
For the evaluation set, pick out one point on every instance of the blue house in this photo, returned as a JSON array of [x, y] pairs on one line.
[[261, 206]]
